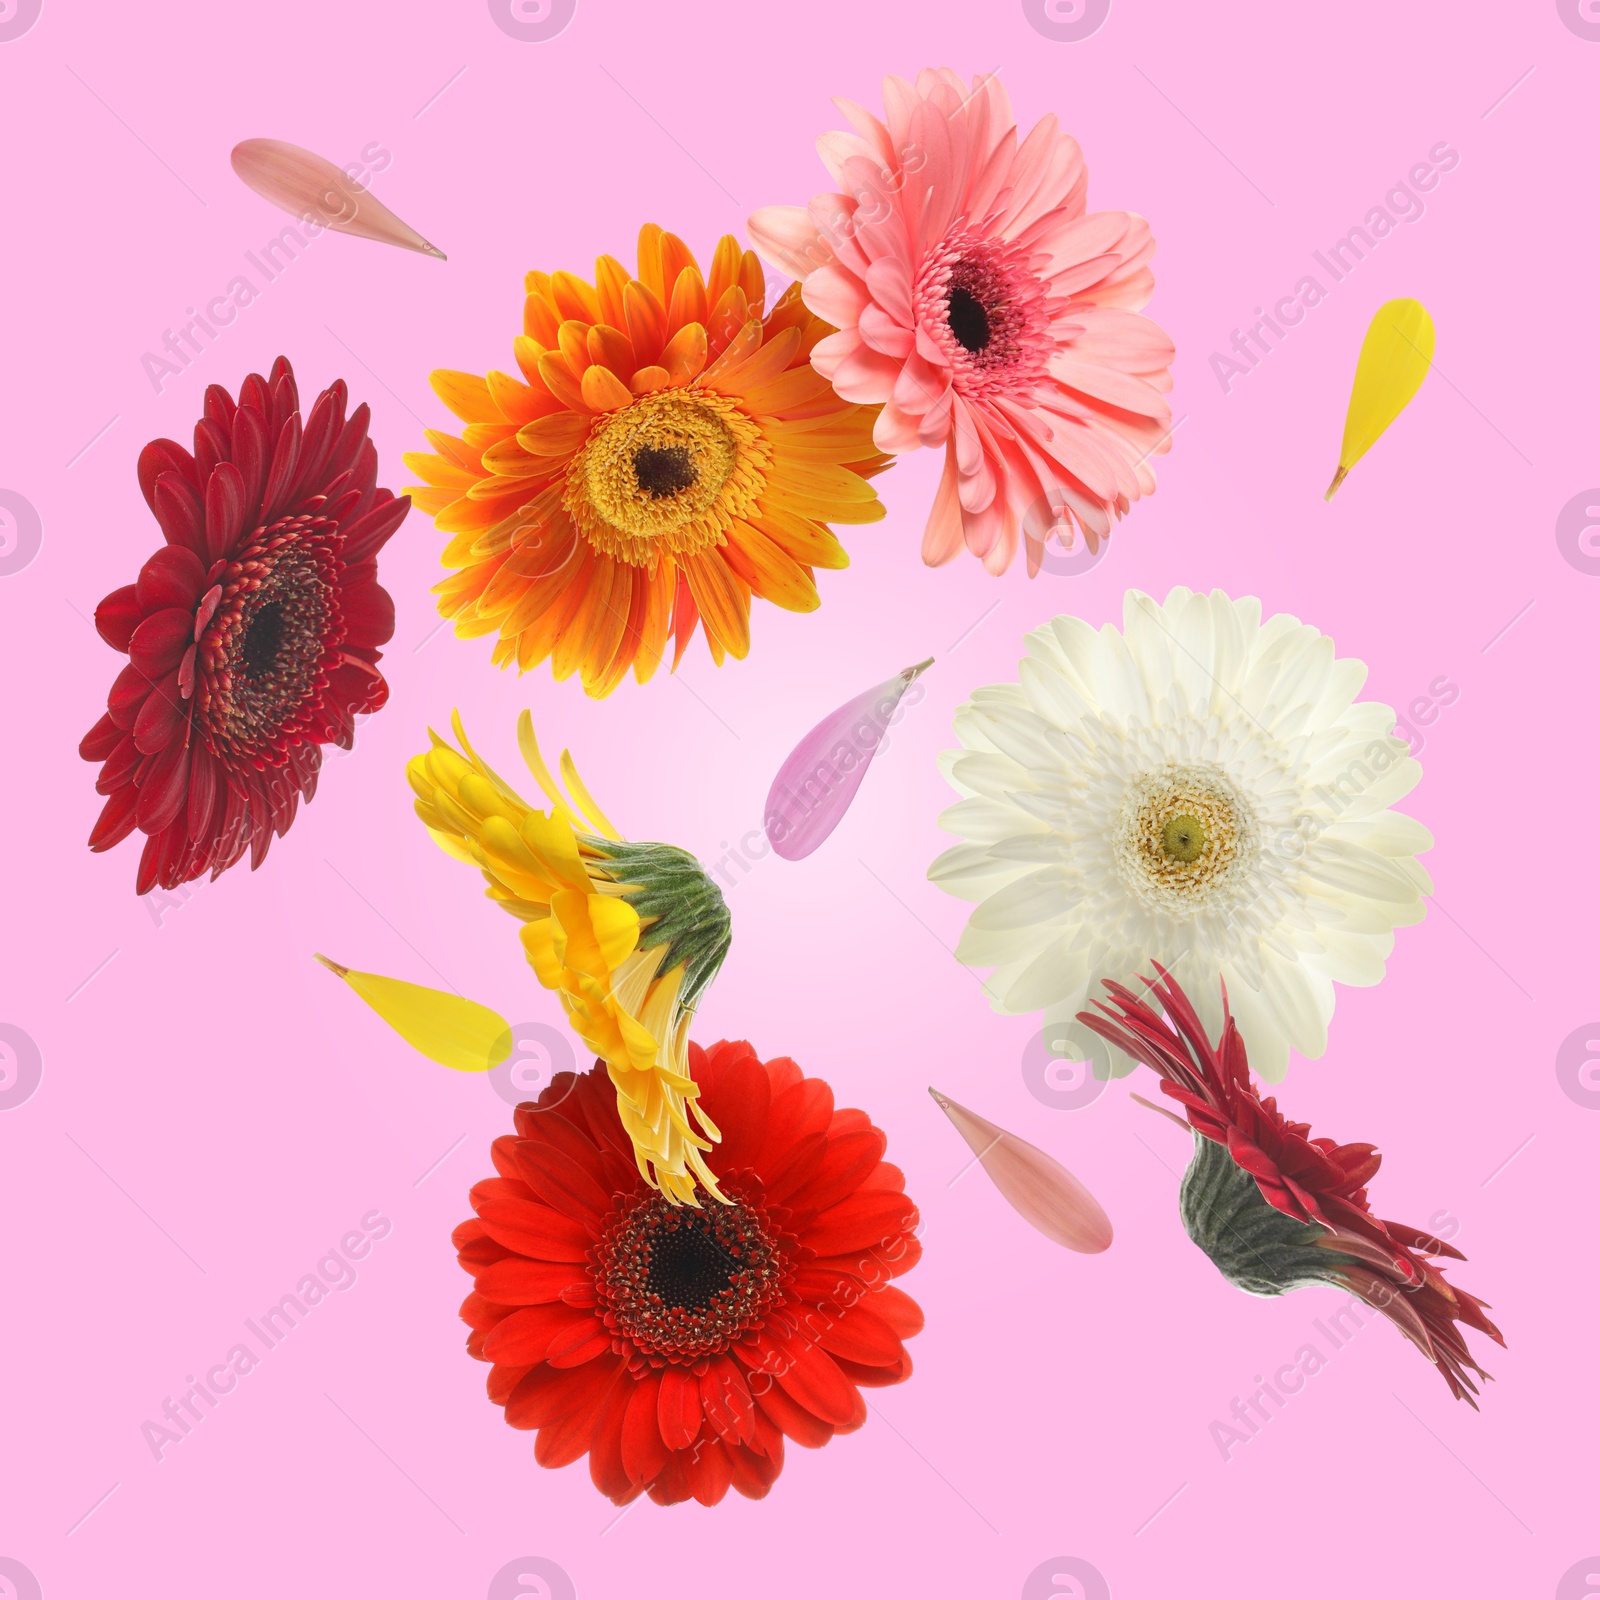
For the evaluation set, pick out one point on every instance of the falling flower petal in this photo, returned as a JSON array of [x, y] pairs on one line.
[[1395, 357], [305, 184], [1036, 1186], [446, 1028], [815, 786]]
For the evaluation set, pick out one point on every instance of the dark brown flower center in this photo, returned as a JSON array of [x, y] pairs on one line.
[[682, 1284], [664, 471], [969, 322], [263, 639], [264, 655]]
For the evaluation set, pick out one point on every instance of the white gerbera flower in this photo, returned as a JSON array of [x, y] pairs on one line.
[[1201, 790]]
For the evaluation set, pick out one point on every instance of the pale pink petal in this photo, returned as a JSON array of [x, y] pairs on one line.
[[889, 282], [788, 238], [865, 377], [1035, 1185], [870, 128], [883, 333], [310, 187], [814, 787], [836, 295], [1119, 389], [830, 351], [942, 539], [919, 385], [895, 431]]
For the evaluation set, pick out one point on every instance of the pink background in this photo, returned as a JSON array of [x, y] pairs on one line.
[[215, 1112]]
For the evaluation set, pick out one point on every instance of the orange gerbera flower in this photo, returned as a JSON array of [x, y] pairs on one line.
[[667, 453]]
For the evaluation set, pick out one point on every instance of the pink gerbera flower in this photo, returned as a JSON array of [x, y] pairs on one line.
[[987, 312]]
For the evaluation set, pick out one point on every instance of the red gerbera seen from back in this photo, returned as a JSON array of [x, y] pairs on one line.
[[679, 1346], [252, 634], [1276, 1209]]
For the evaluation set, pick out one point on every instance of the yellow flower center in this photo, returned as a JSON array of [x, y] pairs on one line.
[[672, 472], [1185, 837]]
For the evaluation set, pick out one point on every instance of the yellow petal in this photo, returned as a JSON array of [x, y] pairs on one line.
[[446, 1028], [1395, 357]]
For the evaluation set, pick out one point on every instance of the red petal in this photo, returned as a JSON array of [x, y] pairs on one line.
[[526, 1335], [250, 454], [347, 452], [534, 1230], [116, 820], [163, 713], [117, 616], [791, 1169], [225, 509], [753, 1473], [725, 1399], [861, 1335], [868, 1218], [219, 407], [100, 740], [561, 1182], [173, 576], [541, 1396], [606, 1470], [519, 1282], [793, 1419], [368, 534], [678, 1408], [162, 792], [806, 1374], [707, 1471], [739, 1104], [159, 641], [850, 1159], [161, 456], [204, 785], [181, 513], [643, 1453], [368, 614], [280, 474]]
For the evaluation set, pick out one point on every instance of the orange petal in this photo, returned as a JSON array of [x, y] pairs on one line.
[[603, 390], [685, 354], [466, 394], [646, 320], [574, 298], [561, 382], [723, 601], [608, 347], [771, 573]]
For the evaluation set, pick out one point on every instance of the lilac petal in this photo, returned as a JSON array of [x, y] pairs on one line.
[[815, 786], [1036, 1186]]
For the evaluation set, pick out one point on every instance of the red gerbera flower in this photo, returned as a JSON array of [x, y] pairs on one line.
[[1276, 1209], [252, 635], [679, 1346]]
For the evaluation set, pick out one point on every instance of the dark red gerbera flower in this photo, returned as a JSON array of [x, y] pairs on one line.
[[1276, 1209], [252, 635], [678, 1346]]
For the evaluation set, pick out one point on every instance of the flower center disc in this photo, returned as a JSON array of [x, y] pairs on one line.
[[670, 473], [263, 655], [1185, 838], [681, 1283]]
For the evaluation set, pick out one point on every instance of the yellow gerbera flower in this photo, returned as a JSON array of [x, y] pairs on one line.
[[627, 935], [666, 454]]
